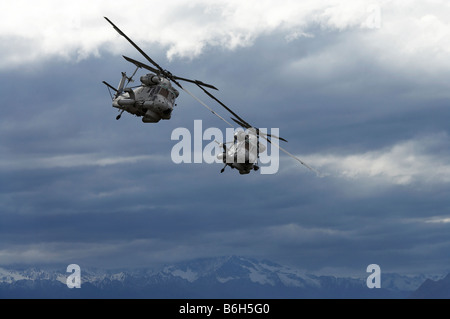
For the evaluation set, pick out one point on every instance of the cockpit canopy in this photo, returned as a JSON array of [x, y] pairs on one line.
[[168, 93]]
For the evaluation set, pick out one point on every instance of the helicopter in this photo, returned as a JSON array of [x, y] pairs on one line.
[[250, 142], [244, 152], [154, 99]]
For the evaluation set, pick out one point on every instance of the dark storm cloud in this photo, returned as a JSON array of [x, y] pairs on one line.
[[79, 185], [351, 102]]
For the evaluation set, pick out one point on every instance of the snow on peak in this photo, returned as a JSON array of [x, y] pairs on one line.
[[9, 276], [188, 274]]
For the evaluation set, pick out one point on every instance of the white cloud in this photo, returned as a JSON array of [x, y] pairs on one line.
[[74, 160], [444, 220], [425, 159], [414, 35], [296, 233], [75, 30]]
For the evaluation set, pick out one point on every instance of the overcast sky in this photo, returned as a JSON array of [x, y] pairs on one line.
[[360, 89]]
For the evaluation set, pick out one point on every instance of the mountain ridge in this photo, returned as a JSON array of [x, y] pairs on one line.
[[433, 289], [233, 277]]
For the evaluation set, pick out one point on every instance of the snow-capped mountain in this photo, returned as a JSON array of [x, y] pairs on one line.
[[433, 289], [223, 277]]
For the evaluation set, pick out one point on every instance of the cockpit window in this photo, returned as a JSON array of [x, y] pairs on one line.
[[164, 92]]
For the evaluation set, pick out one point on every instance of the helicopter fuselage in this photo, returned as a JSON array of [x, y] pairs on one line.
[[153, 100], [243, 154]]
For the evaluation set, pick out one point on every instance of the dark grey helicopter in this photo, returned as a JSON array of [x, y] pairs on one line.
[[154, 99]]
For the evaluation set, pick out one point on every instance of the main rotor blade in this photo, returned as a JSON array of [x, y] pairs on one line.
[[159, 70], [294, 157], [258, 130], [205, 105], [145, 66], [226, 107], [110, 86], [140, 64], [135, 46], [240, 121], [200, 83], [244, 125]]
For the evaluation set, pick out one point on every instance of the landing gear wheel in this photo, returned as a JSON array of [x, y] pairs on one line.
[[118, 116]]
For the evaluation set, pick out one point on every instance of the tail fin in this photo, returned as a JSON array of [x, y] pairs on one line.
[[121, 84]]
